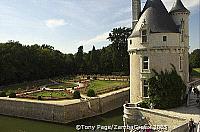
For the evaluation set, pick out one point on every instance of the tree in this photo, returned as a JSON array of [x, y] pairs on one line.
[[166, 89], [120, 57], [195, 58], [19, 63], [94, 61], [79, 62]]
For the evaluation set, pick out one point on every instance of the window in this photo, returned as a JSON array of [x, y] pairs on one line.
[[130, 41], [145, 87], [180, 63], [145, 63], [164, 38], [144, 36]]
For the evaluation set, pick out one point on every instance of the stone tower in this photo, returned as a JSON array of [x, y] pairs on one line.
[[136, 9], [159, 39]]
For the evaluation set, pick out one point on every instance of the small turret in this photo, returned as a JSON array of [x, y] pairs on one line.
[[180, 15], [179, 7]]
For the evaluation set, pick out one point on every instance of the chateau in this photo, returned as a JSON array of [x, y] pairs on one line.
[[159, 39]]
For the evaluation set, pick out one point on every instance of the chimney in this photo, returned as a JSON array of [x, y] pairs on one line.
[[136, 9]]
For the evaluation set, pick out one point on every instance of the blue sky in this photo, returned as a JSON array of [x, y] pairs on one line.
[[67, 24]]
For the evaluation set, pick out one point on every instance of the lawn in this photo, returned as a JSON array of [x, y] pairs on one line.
[[101, 86], [25, 85], [196, 72], [62, 86], [53, 94]]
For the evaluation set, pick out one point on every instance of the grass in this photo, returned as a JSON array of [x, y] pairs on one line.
[[196, 72], [101, 86], [53, 94], [25, 85], [63, 86]]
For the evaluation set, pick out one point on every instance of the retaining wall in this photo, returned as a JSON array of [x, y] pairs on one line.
[[64, 113], [134, 115]]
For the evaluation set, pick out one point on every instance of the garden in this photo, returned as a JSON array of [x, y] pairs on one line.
[[62, 88]]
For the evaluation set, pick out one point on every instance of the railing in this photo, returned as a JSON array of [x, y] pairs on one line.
[[194, 83]]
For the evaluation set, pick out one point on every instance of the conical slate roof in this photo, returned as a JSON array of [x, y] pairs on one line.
[[178, 7], [156, 17]]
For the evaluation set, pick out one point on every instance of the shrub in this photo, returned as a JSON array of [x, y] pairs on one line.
[[39, 98], [166, 89], [76, 94], [12, 95], [144, 104], [2, 94], [91, 93]]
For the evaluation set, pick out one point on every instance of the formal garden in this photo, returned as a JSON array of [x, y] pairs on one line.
[[65, 87]]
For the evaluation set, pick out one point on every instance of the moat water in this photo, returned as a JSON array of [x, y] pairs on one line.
[[11, 124]]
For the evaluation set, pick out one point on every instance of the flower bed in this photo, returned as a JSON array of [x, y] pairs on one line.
[[48, 95]]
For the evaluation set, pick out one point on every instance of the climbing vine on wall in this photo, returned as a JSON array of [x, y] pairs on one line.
[[166, 89]]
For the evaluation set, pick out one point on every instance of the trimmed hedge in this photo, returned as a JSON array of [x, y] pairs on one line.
[[12, 95], [91, 93], [39, 98], [2, 94], [76, 94]]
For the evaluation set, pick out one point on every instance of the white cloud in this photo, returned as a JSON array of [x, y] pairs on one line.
[[190, 4], [98, 39], [51, 23]]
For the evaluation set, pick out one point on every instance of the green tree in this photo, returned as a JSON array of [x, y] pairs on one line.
[[195, 58], [79, 61], [94, 61], [166, 89], [120, 57]]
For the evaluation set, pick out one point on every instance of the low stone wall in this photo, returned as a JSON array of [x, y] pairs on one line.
[[63, 113], [182, 128], [134, 115]]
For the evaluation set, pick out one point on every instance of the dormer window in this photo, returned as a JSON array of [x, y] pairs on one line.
[[164, 38], [144, 36]]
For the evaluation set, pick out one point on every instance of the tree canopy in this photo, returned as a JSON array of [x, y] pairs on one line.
[[166, 89], [195, 58], [19, 63]]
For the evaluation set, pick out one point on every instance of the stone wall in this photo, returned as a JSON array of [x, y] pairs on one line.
[[134, 115], [182, 128], [41, 110]]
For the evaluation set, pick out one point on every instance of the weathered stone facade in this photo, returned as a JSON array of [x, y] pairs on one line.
[[161, 37]]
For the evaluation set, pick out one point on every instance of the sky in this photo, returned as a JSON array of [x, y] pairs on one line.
[[68, 24]]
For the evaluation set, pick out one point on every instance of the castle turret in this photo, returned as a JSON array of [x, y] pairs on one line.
[[136, 9], [180, 15], [155, 44]]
